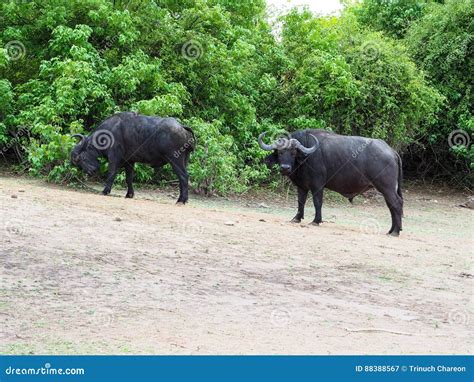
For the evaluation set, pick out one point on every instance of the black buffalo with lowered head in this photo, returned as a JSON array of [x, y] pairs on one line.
[[315, 159], [127, 138]]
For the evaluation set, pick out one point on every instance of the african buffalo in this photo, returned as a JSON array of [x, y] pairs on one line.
[[127, 138], [315, 159]]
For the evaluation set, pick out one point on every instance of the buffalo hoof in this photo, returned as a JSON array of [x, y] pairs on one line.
[[105, 192], [314, 223], [180, 204], [130, 195], [394, 234], [295, 220]]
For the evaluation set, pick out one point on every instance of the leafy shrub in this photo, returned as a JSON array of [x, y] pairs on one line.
[[392, 17], [353, 81], [213, 166], [441, 43]]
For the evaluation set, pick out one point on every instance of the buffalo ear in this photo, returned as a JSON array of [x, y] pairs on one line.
[[271, 160]]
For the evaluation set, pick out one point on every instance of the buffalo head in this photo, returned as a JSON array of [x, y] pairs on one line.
[[84, 155], [285, 152]]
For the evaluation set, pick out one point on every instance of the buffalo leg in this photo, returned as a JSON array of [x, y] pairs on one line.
[[318, 203], [113, 169], [390, 192], [180, 170], [129, 173], [302, 195], [395, 205]]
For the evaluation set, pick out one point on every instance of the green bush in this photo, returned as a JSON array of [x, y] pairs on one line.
[[392, 17], [353, 81], [213, 168], [442, 44], [438, 35]]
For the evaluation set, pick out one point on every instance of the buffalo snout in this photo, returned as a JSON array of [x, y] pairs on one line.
[[285, 169]]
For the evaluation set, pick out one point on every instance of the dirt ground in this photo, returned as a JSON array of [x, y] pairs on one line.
[[86, 274]]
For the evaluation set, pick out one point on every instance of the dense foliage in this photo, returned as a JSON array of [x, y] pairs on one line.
[[218, 66], [351, 80], [442, 44], [439, 36], [392, 17]]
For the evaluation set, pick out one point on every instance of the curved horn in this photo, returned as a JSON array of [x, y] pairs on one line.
[[78, 136], [263, 145], [307, 150]]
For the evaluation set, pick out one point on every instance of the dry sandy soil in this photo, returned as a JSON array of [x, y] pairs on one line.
[[84, 273]]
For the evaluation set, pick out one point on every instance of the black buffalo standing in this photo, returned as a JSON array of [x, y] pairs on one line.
[[127, 138], [315, 159]]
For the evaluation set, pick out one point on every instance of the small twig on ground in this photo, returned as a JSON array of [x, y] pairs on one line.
[[379, 330]]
